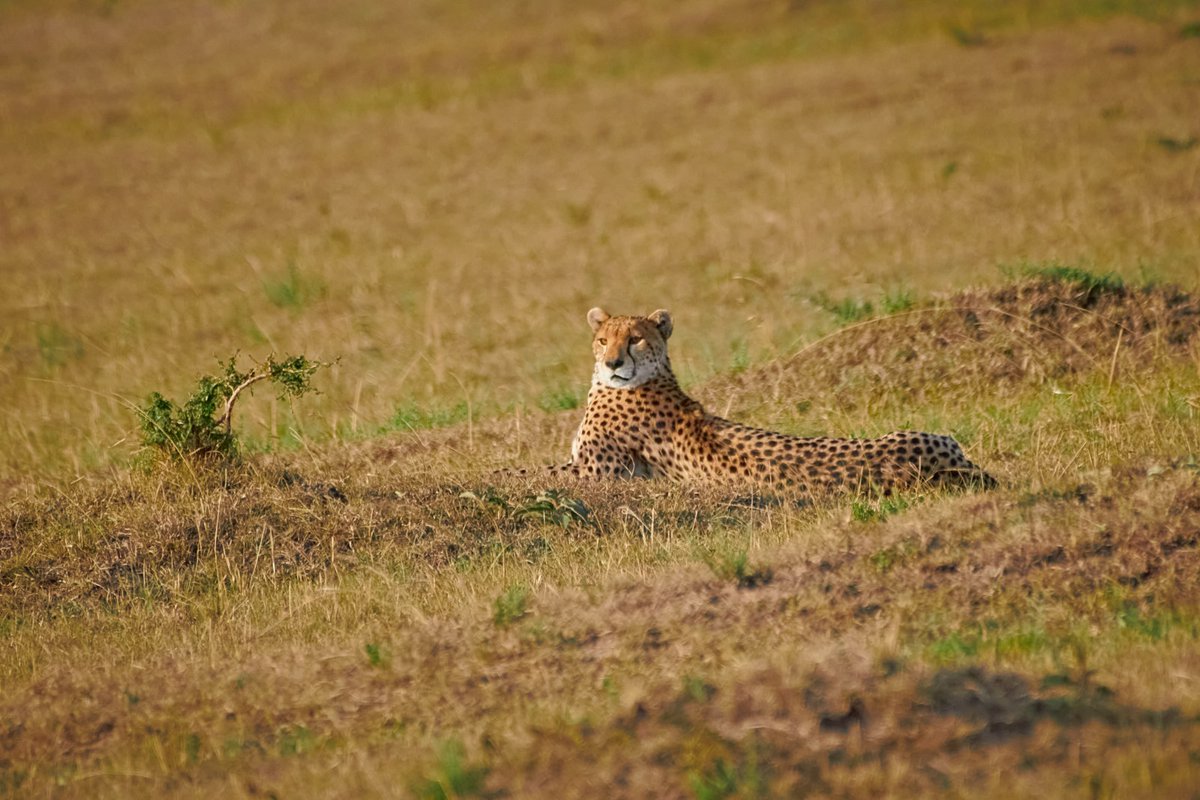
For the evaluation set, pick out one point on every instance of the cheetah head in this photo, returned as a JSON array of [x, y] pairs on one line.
[[629, 351]]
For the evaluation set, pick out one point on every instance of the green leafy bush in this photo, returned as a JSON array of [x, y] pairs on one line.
[[203, 424]]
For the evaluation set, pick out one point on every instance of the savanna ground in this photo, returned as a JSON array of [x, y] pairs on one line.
[[973, 218]]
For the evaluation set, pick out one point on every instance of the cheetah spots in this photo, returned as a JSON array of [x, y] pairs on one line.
[[651, 427]]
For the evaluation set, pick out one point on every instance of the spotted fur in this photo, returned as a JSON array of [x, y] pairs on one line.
[[639, 423]]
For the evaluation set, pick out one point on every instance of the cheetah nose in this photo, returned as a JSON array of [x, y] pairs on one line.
[[614, 363]]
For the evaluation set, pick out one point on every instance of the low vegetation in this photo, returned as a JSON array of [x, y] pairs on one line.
[[970, 218], [202, 426]]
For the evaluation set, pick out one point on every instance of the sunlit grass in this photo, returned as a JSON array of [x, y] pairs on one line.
[[340, 234], [430, 197]]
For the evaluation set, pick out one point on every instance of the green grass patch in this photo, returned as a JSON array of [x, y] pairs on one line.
[[879, 509], [511, 606], [561, 398], [1092, 282], [56, 345], [845, 310], [294, 289], [453, 775], [848, 310], [1173, 144], [413, 417], [993, 639], [734, 565]]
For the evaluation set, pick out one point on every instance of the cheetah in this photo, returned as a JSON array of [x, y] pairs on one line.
[[639, 423]]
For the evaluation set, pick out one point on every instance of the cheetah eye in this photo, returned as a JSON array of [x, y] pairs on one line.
[[635, 339], [603, 340]]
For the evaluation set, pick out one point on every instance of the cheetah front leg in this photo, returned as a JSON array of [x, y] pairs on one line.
[[596, 459], [592, 461]]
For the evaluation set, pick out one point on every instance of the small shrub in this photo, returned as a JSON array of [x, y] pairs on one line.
[[203, 424]]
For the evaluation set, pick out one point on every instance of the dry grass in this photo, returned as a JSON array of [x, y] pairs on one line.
[[434, 193], [273, 207], [362, 618]]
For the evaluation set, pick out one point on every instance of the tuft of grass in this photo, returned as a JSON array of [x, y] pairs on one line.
[[377, 655], [879, 509], [735, 566], [561, 398], [889, 557], [56, 345], [453, 776], [967, 36], [845, 310], [739, 359], [897, 300], [1175, 145], [296, 740], [849, 310], [410, 416], [1085, 279], [294, 290], [511, 606], [719, 781]]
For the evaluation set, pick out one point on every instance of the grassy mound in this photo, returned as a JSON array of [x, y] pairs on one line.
[[1035, 330], [471, 634], [115, 539]]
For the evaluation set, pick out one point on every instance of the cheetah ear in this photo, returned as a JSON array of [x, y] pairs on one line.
[[597, 317], [662, 318]]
